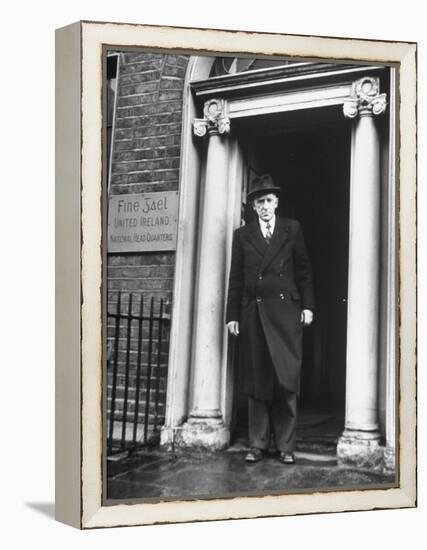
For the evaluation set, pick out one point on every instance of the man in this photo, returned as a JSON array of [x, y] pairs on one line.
[[270, 299]]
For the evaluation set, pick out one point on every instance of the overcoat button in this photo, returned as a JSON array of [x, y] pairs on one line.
[[260, 277]]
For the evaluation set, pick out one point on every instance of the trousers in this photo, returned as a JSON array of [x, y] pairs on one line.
[[278, 415]]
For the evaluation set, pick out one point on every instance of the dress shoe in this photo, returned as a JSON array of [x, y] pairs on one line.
[[254, 455], [287, 458]]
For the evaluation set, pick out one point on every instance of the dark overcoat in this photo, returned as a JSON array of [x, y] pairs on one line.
[[269, 286]]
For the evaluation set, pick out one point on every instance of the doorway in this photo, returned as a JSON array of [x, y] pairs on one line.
[[310, 161]]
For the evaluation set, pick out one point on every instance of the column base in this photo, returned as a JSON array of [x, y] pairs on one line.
[[389, 460], [202, 433], [167, 438], [360, 450]]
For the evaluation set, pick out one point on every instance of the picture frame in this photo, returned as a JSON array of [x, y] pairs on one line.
[[81, 271]]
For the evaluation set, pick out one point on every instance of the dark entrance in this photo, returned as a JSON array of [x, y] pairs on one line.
[[310, 161]]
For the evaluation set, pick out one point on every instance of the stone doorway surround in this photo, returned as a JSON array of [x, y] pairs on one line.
[[199, 393]]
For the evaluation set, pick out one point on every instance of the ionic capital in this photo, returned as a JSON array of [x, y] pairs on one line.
[[365, 98], [214, 120]]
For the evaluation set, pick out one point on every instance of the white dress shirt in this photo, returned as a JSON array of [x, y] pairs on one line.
[[263, 225]]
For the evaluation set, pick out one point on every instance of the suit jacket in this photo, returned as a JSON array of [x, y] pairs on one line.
[[269, 285]]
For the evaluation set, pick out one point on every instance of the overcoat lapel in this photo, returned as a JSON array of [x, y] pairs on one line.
[[256, 238], [278, 240]]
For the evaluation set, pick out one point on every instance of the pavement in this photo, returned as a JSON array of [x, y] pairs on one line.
[[155, 474]]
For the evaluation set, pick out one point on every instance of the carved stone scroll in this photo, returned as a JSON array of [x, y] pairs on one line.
[[214, 120], [365, 98]]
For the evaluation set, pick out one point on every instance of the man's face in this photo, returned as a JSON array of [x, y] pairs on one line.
[[265, 206]]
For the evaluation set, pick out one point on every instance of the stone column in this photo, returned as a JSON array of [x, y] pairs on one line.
[[205, 426], [359, 444]]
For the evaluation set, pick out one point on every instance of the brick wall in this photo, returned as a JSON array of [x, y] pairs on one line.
[[145, 158]]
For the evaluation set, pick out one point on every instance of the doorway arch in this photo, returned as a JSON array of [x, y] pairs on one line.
[[248, 98]]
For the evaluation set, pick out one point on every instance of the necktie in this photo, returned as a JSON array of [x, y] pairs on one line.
[[268, 234]]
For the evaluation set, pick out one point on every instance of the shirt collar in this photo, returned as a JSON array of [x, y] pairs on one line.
[[263, 224]]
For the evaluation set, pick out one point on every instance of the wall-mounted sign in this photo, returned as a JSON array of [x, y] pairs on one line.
[[142, 222]]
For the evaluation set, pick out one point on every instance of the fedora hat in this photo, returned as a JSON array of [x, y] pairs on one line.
[[262, 185]]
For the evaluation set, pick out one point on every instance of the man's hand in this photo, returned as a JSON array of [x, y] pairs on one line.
[[233, 327], [306, 317]]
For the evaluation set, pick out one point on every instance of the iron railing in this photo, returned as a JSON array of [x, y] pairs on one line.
[[137, 348]]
